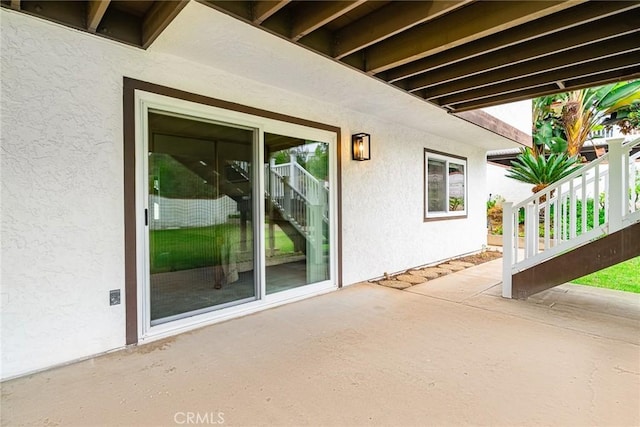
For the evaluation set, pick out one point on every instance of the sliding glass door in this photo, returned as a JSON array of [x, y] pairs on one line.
[[297, 212], [238, 213], [201, 250]]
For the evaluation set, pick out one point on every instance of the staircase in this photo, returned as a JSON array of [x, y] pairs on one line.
[[296, 201], [564, 237]]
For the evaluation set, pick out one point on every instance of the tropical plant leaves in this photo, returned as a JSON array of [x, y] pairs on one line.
[[540, 170], [620, 96], [571, 116]]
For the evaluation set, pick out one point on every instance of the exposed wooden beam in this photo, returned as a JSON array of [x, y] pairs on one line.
[[388, 21], [610, 76], [321, 40], [585, 13], [264, 9], [279, 23], [469, 23], [562, 60], [158, 18], [574, 72], [581, 14], [241, 8], [95, 12], [510, 90], [310, 16], [15, 4], [503, 98], [552, 44], [596, 80]]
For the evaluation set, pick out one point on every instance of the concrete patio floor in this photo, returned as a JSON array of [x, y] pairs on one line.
[[448, 352]]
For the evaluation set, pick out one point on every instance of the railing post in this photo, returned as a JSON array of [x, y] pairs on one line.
[[507, 247], [315, 270], [531, 222], [616, 195], [286, 203], [270, 184], [293, 181]]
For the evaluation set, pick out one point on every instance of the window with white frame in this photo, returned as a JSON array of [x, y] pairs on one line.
[[445, 182]]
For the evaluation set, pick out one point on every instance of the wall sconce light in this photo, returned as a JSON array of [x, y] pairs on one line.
[[361, 146]]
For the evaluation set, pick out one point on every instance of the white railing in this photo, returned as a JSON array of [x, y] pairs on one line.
[[598, 199], [242, 167], [302, 199]]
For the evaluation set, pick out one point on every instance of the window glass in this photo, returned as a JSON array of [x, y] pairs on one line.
[[456, 187], [296, 212], [445, 186], [436, 186], [201, 254]]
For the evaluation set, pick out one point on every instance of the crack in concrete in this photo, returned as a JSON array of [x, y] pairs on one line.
[[624, 371]]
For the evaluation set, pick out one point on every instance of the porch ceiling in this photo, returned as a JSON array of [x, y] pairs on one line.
[[459, 55]]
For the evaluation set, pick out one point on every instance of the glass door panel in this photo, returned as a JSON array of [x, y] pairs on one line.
[[297, 212], [201, 246]]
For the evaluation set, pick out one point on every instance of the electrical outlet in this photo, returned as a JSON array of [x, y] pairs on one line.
[[114, 297]]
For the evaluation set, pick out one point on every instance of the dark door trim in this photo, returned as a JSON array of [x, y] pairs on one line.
[[129, 120]]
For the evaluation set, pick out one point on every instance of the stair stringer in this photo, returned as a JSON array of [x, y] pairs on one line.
[[586, 259]]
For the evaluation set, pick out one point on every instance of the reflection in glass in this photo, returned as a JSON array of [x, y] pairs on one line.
[[456, 187], [297, 212], [436, 185], [200, 216]]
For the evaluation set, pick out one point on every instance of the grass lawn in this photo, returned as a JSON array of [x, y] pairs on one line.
[[623, 277], [283, 243], [186, 248]]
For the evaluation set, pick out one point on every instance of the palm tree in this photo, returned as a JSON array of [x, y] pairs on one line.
[[561, 125], [579, 113], [541, 171]]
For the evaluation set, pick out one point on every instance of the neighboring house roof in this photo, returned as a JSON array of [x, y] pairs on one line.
[[430, 49], [592, 149]]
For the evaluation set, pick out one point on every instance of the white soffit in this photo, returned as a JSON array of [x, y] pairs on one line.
[[204, 35]]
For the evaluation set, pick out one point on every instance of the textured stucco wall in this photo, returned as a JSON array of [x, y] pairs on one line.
[[508, 188], [383, 228], [62, 208], [62, 185]]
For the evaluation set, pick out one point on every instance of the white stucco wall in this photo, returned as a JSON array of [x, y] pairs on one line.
[[62, 182], [510, 189], [383, 230]]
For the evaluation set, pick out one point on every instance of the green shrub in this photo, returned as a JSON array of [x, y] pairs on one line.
[[565, 220]]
